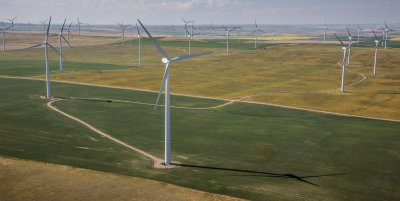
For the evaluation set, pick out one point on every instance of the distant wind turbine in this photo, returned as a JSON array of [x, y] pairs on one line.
[[89, 28], [344, 47], [4, 29], [123, 27], [165, 82], [325, 29], [46, 45], [376, 50], [12, 23], [44, 25], [186, 23], [358, 33], [348, 58], [385, 34], [61, 36], [228, 30], [256, 31], [79, 26]]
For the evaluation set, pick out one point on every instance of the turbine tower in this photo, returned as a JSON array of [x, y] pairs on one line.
[[348, 58], [358, 33], [61, 36], [256, 31], [4, 29], [325, 29], [344, 47], [79, 26], [376, 50], [139, 37], [228, 30], [12, 23], [186, 23], [46, 45], [123, 27], [165, 82], [44, 25], [89, 28]]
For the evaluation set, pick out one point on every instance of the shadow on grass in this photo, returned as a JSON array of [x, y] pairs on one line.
[[260, 174]]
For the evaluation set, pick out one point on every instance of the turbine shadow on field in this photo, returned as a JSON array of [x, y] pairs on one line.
[[260, 174]]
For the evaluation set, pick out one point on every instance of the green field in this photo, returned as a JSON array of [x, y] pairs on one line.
[[244, 150]]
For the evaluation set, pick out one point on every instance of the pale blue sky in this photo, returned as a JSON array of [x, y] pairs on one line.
[[205, 11]]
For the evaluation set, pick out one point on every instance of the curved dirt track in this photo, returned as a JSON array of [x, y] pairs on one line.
[[157, 161]]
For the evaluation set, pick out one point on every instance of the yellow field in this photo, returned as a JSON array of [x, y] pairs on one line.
[[280, 38], [395, 39]]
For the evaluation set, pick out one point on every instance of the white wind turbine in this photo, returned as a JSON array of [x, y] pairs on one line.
[[61, 36], [189, 37], [165, 82], [12, 23], [46, 45], [376, 50], [385, 35], [139, 37], [89, 28], [228, 30], [358, 33], [186, 23], [79, 26], [348, 58], [256, 31], [325, 29], [344, 47], [4, 29], [44, 25], [123, 27]]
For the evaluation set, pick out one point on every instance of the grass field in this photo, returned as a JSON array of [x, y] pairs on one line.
[[243, 150], [282, 74], [279, 38], [342, 158]]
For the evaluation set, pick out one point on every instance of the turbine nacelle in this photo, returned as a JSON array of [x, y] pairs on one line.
[[165, 60]]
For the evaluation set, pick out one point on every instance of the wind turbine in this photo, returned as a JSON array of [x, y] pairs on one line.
[[61, 36], [46, 45], [186, 23], [89, 27], [79, 26], [12, 23], [139, 37], [385, 34], [123, 27], [4, 29], [227, 29], [240, 33], [358, 33], [189, 39], [325, 29], [344, 47], [68, 33], [165, 82], [376, 50], [44, 25], [348, 58], [256, 31]]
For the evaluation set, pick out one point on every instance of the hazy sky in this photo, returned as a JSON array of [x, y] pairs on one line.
[[204, 11]]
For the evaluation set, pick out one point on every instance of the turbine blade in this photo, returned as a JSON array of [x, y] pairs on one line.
[[137, 28], [162, 85], [37, 45], [53, 48], [48, 29], [348, 32], [376, 38], [154, 41], [189, 56], [62, 28], [66, 40], [339, 40]]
